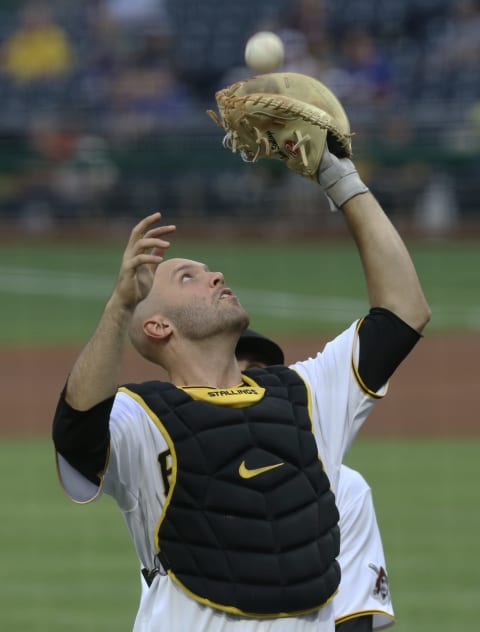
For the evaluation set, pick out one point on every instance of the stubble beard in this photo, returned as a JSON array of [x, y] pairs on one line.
[[201, 322]]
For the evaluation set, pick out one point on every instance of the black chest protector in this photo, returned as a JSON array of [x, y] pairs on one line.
[[250, 525]]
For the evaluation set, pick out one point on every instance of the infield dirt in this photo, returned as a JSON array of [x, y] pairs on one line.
[[436, 391]]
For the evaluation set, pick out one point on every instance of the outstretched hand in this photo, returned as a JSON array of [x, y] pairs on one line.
[[95, 374], [146, 248]]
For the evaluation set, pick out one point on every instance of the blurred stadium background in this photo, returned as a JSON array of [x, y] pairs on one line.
[[102, 120], [103, 109]]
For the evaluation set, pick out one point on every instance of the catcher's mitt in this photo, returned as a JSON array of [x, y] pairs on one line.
[[287, 116]]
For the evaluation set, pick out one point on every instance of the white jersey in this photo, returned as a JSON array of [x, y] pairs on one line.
[[364, 586], [339, 406]]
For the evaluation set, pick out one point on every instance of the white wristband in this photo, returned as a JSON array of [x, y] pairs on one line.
[[339, 180]]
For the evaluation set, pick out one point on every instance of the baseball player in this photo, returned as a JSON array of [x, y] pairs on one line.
[[243, 533], [363, 602]]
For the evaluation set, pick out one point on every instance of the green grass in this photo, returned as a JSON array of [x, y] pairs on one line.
[[55, 293], [68, 567], [64, 567], [426, 494], [73, 568]]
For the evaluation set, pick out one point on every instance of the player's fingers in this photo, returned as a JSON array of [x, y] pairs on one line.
[[145, 228], [138, 271], [151, 239], [159, 231], [144, 251], [142, 259], [139, 230], [149, 244], [144, 225]]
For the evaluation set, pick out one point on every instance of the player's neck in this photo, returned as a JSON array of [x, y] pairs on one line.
[[226, 377], [212, 366]]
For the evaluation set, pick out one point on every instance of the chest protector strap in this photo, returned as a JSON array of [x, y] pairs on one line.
[[250, 522]]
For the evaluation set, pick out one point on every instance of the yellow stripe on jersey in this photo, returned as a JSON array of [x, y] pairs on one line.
[[156, 420], [309, 400], [310, 414], [366, 613], [237, 611]]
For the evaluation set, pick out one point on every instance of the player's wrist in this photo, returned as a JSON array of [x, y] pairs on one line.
[[339, 180], [119, 309]]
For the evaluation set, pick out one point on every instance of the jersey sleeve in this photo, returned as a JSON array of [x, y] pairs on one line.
[[349, 376], [107, 449], [95, 448], [339, 401], [82, 437], [81, 440]]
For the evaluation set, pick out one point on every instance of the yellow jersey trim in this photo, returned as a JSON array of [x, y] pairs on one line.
[[156, 420], [237, 611], [364, 613], [310, 415], [360, 382]]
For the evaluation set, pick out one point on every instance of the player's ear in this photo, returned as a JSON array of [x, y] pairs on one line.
[[157, 328]]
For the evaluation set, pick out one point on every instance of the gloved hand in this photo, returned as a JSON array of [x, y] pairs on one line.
[[283, 116]]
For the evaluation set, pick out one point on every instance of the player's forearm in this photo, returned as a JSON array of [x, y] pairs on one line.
[[391, 277], [95, 374]]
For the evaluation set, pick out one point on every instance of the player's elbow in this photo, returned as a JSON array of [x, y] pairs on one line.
[[419, 315], [414, 311], [427, 316]]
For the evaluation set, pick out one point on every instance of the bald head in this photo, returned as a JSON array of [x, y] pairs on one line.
[[150, 307], [186, 301]]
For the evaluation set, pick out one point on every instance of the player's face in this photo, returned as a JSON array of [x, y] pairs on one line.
[[196, 299]]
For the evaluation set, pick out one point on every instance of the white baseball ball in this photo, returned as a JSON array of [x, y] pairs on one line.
[[264, 52]]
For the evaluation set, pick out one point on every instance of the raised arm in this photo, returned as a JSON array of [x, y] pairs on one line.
[[297, 119], [390, 274], [94, 376]]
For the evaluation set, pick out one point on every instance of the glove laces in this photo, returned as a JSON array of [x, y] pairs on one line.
[[300, 145], [265, 146]]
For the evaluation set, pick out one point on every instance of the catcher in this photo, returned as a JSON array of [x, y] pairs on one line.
[[238, 528]]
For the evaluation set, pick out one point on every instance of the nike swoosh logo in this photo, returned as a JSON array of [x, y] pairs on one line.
[[245, 472]]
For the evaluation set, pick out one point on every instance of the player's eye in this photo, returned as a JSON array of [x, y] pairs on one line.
[[186, 277]]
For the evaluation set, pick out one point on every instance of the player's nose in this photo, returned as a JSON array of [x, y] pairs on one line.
[[216, 278]]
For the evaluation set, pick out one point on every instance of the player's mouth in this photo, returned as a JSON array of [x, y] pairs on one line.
[[227, 293]]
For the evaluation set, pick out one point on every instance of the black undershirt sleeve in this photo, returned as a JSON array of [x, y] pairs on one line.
[[83, 437], [385, 341], [358, 624]]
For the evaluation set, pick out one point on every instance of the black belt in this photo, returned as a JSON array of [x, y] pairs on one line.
[[149, 574]]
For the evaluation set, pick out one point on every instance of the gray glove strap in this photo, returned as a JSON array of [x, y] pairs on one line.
[[339, 180]]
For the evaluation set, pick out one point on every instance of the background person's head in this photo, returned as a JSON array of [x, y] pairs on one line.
[[255, 350]]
